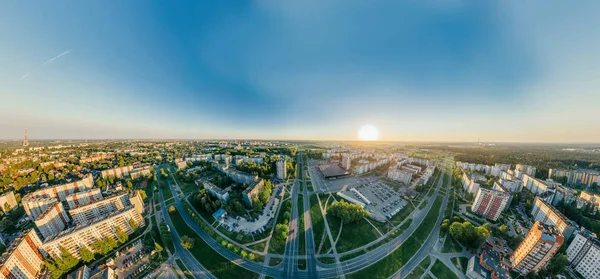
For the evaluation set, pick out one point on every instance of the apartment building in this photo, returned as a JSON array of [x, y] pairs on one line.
[[281, 169], [84, 213], [8, 201], [487, 265], [584, 254], [84, 235], [140, 171], [525, 169], [549, 215], [117, 172], [22, 259], [590, 198], [252, 191], [213, 190], [61, 192], [585, 177], [53, 220], [469, 184], [95, 157], [535, 251], [34, 207], [83, 198], [490, 203], [400, 175]]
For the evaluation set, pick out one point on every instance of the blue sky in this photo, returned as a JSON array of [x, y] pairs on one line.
[[419, 70]]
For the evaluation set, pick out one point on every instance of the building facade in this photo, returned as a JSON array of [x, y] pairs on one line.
[[22, 259], [34, 207], [252, 191], [8, 201], [62, 191], [535, 251], [117, 172], [584, 254], [83, 198], [549, 215], [53, 220], [490, 203], [281, 169], [84, 235], [346, 162]]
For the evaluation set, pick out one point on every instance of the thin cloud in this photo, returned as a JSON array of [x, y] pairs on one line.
[[26, 75], [58, 56]]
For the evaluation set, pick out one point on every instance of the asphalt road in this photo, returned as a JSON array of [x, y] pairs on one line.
[[289, 267], [197, 270], [311, 260], [431, 240]]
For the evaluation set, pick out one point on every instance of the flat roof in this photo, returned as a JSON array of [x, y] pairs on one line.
[[332, 170]]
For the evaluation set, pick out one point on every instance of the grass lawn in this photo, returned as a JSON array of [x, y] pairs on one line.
[[403, 214], [355, 235], [461, 263], [302, 264], [186, 272], [451, 245], [164, 186], [274, 261], [427, 276], [394, 261], [424, 264], [316, 218], [416, 273], [440, 270], [216, 264], [301, 236], [258, 247], [326, 260]]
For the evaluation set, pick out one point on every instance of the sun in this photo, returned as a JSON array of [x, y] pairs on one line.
[[368, 133]]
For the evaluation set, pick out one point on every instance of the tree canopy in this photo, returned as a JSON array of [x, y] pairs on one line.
[[347, 212]]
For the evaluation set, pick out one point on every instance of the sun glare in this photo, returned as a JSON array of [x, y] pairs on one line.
[[368, 133]]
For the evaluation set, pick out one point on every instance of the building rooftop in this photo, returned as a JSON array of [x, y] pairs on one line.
[[332, 170]]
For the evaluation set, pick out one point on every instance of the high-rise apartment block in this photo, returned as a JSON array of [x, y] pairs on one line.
[[584, 254], [62, 191], [22, 259], [86, 213], [535, 251], [549, 215], [117, 172], [8, 201], [490, 203], [84, 235], [83, 198], [34, 207], [281, 169], [53, 220], [346, 162]]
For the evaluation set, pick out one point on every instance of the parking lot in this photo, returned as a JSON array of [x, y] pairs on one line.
[[132, 261], [260, 224], [384, 201]]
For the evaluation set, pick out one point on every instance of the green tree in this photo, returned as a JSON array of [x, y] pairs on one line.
[[347, 212], [187, 242], [172, 209], [133, 224], [86, 254], [503, 228], [158, 248], [558, 264], [122, 236]]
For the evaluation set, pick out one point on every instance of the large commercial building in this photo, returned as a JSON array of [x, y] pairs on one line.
[[8, 201], [549, 215], [535, 251], [584, 254], [84, 235], [53, 220], [281, 169], [34, 207], [61, 192], [83, 198], [22, 259], [490, 203]]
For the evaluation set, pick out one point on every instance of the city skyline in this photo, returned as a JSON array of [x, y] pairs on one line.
[[442, 71]]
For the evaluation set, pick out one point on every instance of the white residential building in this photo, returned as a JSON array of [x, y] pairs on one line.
[[281, 169], [22, 259], [83, 198], [584, 254], [53, 220]]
